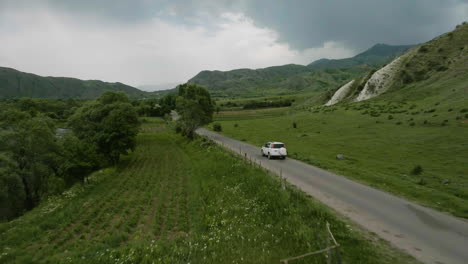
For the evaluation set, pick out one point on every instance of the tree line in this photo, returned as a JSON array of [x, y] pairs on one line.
[[48, 145]]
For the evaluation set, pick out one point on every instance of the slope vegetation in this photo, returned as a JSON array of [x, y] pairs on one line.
[[15, 84]]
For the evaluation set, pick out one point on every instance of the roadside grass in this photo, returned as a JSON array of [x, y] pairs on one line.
[[173, 201], [251, 114], [382, 141]]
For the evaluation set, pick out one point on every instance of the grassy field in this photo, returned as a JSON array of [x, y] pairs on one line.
[[173, 201], [383, 142]]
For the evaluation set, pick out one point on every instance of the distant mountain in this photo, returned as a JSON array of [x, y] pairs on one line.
[[14, 84], [320, 75], [379, 54]]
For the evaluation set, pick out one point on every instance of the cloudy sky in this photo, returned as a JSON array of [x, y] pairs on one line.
[[141, 42]]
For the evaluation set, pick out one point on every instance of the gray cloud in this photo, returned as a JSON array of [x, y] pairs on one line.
[[150, 42], [301, 23], [359, 23]]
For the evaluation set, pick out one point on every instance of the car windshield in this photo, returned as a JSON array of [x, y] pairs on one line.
[[277, 145]]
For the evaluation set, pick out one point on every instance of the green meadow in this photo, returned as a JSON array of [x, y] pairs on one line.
[[175, 201], [383, 141]]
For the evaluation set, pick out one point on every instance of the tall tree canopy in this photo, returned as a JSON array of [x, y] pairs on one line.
[[29, 160], [110, 124], [195, 108]]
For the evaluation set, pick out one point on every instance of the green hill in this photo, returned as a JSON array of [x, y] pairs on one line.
[[15, 84], [286, 79]]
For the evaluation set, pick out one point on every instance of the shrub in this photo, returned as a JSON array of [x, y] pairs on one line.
[[412, 124], [423, 49], [417, 170], [390, 117], [425, 122], [217, 127], [422, 181], [450, 109], [464, 110], [236, 125], [398, 123], [294, 125], [178, 128]]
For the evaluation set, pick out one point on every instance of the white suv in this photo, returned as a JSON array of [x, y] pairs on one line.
[[274, 149]]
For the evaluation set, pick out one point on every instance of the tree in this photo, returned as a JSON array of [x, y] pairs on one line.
[[110, 124], [31, 144], [80, 158], [195, 108], [12, 195]]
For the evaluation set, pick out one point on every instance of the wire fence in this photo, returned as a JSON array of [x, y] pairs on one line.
[[332, 251]]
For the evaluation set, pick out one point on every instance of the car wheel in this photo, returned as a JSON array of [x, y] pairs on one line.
[[261, 152], [269, 156]]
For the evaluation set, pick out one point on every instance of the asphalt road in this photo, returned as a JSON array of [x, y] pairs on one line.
[[428, 235]]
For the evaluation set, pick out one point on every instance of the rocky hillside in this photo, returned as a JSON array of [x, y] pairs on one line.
[[317, 76], [14, 84], [433, 69]]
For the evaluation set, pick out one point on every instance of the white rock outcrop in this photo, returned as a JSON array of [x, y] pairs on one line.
[[340, 94], [380, 81]]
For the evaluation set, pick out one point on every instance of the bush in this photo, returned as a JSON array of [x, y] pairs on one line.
[[417, 170], [236, 125], [390, 117], [178, 128], [217, 127], [294, 125], [423, 49]]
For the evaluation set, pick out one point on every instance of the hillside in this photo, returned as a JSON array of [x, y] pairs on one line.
[[15, 84], [286, 79], [436, 70]]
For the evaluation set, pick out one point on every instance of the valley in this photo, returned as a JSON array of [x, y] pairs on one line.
[[206, 205]]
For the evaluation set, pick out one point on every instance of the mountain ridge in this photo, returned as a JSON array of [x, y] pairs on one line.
[[15, 84], [322, 74]]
